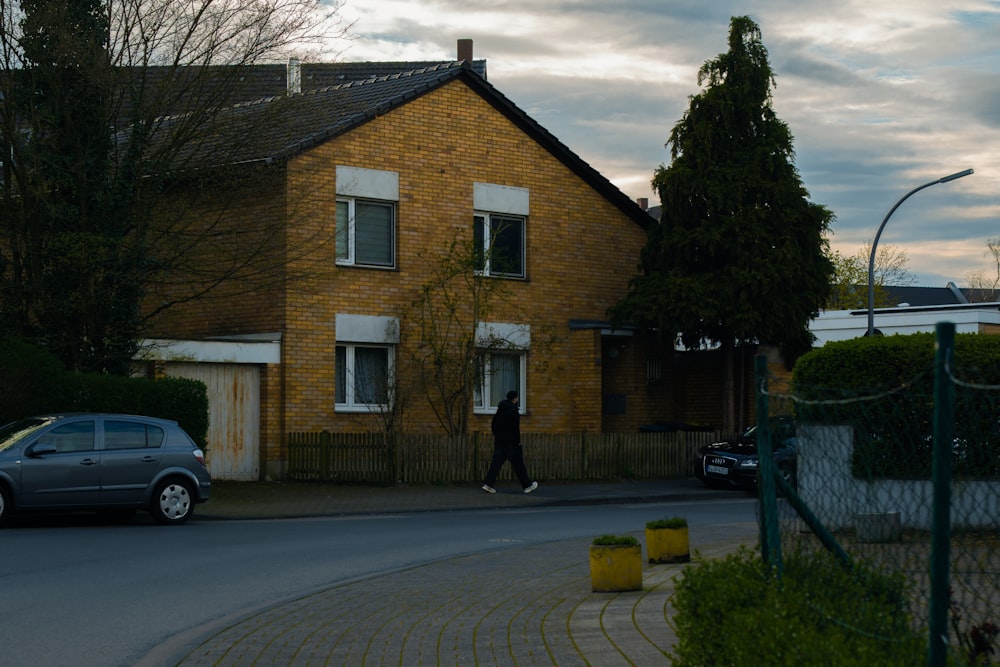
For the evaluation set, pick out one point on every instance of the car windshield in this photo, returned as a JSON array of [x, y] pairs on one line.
[[14, 432]]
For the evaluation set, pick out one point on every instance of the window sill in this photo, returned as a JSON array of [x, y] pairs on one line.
[[379, 267], [360, 409]]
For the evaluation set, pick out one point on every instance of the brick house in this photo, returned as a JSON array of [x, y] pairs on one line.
[[371, 180]]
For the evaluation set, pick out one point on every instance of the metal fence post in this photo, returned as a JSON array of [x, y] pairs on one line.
[[944, 420], [770, 539]]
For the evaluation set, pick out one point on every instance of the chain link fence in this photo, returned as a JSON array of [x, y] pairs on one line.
[[906, 481]]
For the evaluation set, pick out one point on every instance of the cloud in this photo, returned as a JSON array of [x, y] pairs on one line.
[[880, 97]]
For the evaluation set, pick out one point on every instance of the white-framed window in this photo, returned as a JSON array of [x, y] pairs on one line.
[[366, 216], [499, 243], [365, 362], [364, 377], [499, 372], [503, 353], [366, 232]]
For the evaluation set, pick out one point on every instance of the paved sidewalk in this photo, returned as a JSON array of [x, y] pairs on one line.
[[535, 607], [259, 500]]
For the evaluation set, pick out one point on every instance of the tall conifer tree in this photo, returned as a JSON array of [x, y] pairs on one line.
[[738, 255], [84, 283]]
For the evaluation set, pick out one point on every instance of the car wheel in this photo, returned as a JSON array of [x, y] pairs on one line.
[[6, 504], [173, 502]]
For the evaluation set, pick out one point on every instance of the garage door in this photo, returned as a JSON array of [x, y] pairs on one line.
[[233, 416]]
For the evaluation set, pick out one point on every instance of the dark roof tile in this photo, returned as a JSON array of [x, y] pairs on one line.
[[277, 127]]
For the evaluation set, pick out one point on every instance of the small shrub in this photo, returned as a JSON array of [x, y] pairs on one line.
[[32, 378], [672, 522], [44, 385], [815, 613], [615, 541]]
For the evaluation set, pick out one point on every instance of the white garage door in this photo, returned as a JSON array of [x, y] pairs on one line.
[[233, 416]]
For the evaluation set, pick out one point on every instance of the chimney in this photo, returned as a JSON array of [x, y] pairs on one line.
[[294, 76], [465, 49], [643, 203]]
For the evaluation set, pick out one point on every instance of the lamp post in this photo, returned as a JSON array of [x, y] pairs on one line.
[[871, 258]]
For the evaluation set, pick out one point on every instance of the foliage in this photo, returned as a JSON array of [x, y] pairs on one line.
[[447, 341], [41, 385], [893, 426], [985, 284], [978, 643], [615, 541], [99, 105], [72, 283], [32, 379], [672, 522], [181, 399], [447, 350], [850, 276], [737, 611], [738, 255]]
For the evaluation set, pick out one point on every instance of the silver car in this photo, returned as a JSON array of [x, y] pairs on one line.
[[109, 462]]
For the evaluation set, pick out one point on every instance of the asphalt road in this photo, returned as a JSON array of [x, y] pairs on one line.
[[77, 592]]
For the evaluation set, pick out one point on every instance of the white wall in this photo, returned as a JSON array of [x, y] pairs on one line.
[[846, 324], [835, 497]]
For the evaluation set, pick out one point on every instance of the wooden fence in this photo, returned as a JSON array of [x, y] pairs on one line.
[[433, 458]]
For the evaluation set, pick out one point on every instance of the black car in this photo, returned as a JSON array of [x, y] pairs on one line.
[[734, 463]]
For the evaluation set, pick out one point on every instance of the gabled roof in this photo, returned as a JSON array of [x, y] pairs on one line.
[[226, 85], [940, 296], [281, 126]]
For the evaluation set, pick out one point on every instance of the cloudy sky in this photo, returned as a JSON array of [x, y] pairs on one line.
[[881, 97]]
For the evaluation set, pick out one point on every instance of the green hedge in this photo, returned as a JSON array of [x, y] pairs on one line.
[[893, 423], [737, 612], [37, 383]]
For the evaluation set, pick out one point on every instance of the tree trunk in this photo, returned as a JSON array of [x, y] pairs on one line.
[[729, 424]]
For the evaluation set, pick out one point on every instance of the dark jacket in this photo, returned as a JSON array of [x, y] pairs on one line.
[[507, 424]]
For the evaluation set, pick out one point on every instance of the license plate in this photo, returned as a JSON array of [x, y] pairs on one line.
[[718, 470]]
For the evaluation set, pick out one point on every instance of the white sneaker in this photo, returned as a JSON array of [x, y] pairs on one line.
[[529, 489], [488, 489]]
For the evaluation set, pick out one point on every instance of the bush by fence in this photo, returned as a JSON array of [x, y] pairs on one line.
[[433, 458], [903, 479]]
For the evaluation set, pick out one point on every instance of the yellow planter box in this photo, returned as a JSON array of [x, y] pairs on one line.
[[615, 568], [668, 545]]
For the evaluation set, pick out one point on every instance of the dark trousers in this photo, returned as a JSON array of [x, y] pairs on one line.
[[514, 454]]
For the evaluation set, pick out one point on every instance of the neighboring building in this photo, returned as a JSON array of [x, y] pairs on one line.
[[834, 325], [376, 176]]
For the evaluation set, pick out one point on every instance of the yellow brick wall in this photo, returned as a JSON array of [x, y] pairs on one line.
[[581, 251], [584, 377], [218, 234], [272, 437]]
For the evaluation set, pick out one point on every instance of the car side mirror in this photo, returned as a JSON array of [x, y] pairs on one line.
[[41, 449]]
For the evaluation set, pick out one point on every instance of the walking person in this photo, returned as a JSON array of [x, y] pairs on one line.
[[507, 445]]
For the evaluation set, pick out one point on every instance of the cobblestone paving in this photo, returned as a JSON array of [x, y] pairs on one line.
[[524, 605]]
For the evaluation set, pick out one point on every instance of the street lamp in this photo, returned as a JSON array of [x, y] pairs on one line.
[[871, 258]]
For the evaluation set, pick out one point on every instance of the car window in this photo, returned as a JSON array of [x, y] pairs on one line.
[[131, 435], [72, 437], [15, 432]]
